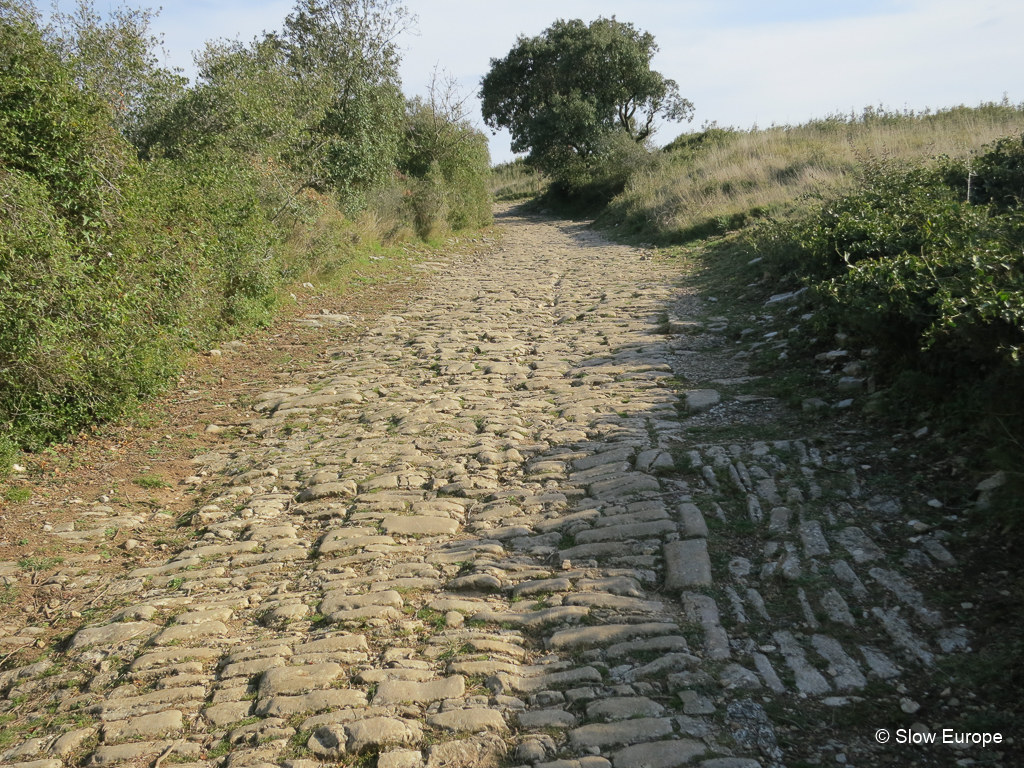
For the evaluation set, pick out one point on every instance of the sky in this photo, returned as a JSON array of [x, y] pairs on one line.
[[741, 62]]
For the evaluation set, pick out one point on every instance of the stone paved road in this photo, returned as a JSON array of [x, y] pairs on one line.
[[470, 542]]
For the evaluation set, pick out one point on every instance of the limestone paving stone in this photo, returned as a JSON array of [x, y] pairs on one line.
[[482, 470], [396, 692], [687, 564]]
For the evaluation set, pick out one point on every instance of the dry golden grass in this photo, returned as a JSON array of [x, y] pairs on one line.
[[516, 181], [745, 174]]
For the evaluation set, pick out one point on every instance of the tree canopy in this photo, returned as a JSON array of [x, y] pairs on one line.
[[562, 92]]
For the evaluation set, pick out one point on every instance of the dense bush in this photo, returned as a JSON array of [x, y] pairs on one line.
[[905, 264], [108, 267], [908, 265], [450, 159], [140, 218]]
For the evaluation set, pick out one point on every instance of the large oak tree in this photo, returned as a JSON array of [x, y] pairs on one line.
[[562, 92]]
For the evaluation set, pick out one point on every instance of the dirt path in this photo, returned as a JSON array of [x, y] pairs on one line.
[[482, 533]]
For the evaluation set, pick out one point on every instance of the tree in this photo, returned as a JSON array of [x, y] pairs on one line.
[[350, 47], [561, 93], [117, 59]]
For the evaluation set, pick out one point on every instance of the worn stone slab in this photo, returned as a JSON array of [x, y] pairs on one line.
[[112, 633], [468, 720], [846, 675], [541, 586], [332, 644], [228, 712], [147, 726], [314, 701], [665, 644], [119, 753], [587, 551], [859, 545], [625, 532], [342, 600], [147, 703], [575, 677], [901, 633], [483, 751], [159, 658], [836, 608], [808, 679], [187, 633], [694, 524], [546, 718], [698, 400], [292, 680], [399, 691], [408, 525], [813, 538], [687, 564], [534, 619], [612, 734], [607, 634], [659, 754], [397, 758], [624, 708], [616, 585], [375, 732], [614, 602], [624, 485], [251, 667], [768, 674]]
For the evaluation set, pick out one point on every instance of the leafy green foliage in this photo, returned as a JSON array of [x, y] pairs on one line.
[[1000, 175], [347, 50], [907, 264], [140, 217], [107, 267], [560, 93], [449, 157], [116, 60]]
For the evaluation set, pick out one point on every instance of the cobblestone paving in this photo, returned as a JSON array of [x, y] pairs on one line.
[[469, 541]]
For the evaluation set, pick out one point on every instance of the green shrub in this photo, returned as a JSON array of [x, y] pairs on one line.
[[1000, 174], [908, 265], [448, 158], [109, 267], [115, 257]]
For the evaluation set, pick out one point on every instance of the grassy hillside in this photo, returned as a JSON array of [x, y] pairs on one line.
[[717, 180], [907, 232]]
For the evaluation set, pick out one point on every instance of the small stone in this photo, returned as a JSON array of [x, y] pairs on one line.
[[909, 706], [701, 399]]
